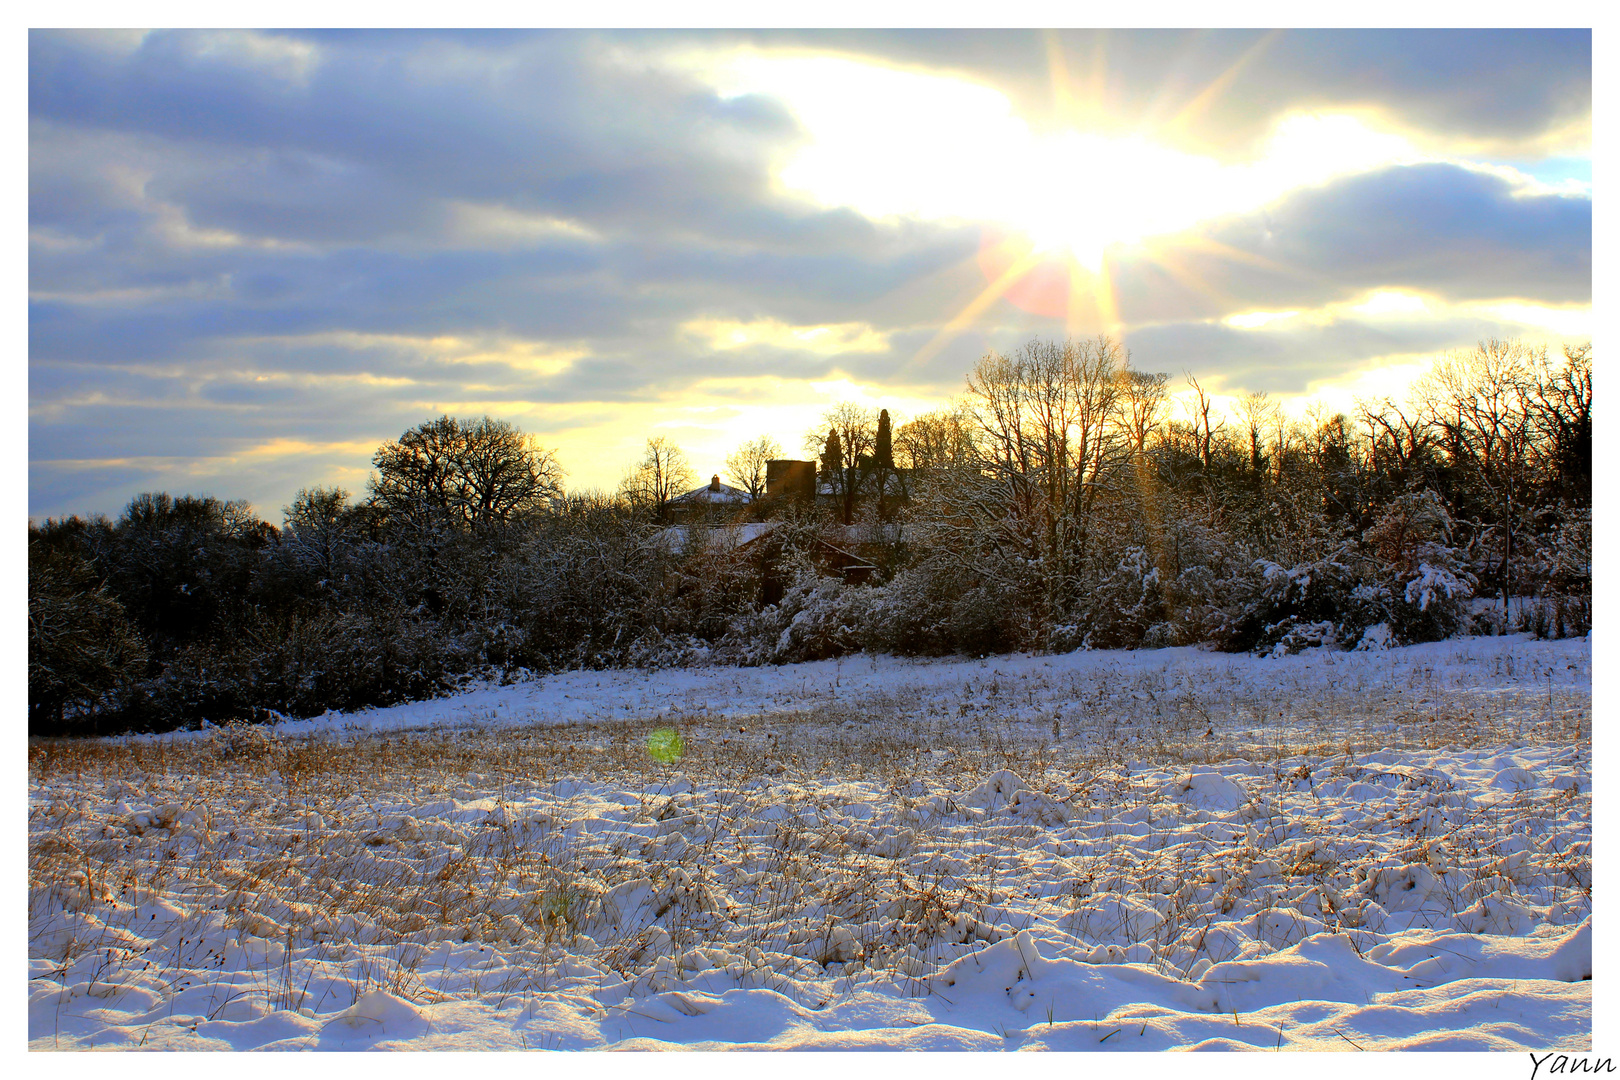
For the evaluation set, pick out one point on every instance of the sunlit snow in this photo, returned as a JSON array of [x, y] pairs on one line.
[[1104, 851]]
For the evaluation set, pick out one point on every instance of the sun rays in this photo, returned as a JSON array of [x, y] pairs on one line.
[[1017, 268], [1094, 194], [1098, 213], [1200, 102], [1062, 266]]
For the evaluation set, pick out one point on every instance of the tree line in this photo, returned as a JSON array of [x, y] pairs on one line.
[[1064, 500]]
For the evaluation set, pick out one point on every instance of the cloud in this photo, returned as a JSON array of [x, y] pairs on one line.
[[827, 339], [1457, 233], [1298, 352], [375, 138], [253, 256], [1489, 91]]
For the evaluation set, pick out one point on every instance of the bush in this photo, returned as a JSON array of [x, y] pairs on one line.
[[1127, 602], [1313, 604], [84, 656], [978, 622], [1429, 603], [912, 614]]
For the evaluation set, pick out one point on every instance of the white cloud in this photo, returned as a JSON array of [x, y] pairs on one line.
[[825, 339], [1393, 306], [288, 59], [895, 142], [1254, 320], [1570, 321], [491, 226]]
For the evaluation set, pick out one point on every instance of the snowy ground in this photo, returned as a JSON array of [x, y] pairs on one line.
[[1107, 851]]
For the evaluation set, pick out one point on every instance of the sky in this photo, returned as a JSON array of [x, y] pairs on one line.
[[253, 257]]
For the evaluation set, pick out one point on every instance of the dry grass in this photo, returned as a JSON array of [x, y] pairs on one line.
[[291, 860]]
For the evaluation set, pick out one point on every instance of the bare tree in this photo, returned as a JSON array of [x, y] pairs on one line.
[[416, 476], [471, 474], [1257, 411], [315, 527], [1052, 435], [1205, 429], [662, 473], [1563, 417], [935, 441], [1399, 438], [1481, 403], [746, 467], [846, 451], [1142, 396], [504, 473]]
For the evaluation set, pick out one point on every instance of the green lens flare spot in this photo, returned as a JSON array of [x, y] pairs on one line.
[[665, 745]]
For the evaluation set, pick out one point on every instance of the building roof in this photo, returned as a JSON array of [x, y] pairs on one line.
[[715, 493], [676, 537]]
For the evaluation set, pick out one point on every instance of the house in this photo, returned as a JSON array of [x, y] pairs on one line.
[[854, 553], [722, 515], [735, 536], [790, 481], [715, 503]]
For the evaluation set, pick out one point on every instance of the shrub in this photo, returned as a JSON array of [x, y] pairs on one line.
[[83, 654], [1318, 603]]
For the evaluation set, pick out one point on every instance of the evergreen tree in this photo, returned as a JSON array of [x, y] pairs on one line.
[[883, 449]]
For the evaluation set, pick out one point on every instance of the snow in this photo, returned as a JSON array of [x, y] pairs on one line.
[[1432, 581], [1102, 851], [733, 535], [1024, 687]]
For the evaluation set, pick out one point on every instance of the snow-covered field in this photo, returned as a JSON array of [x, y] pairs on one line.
[[1106, 851]]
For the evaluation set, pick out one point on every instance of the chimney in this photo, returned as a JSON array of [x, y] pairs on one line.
[[714, 485]]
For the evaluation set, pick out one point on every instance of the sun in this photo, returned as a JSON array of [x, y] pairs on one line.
[[1061, 206], [894, 143], [1087, 193]]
